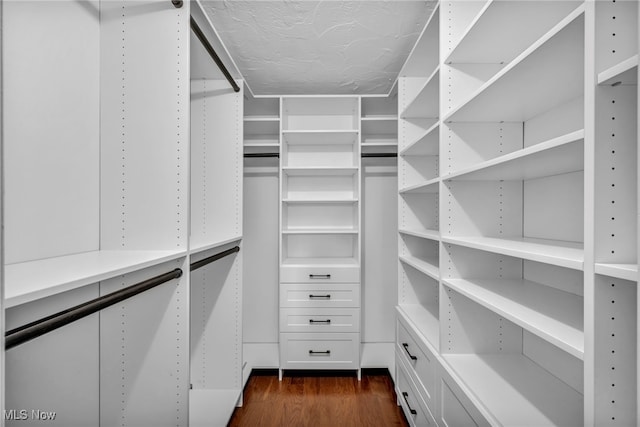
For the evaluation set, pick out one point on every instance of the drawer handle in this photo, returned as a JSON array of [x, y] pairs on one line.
[[406, 348], [319, 276], [327, 352], [320, 321], [328, 296], [405, 395]]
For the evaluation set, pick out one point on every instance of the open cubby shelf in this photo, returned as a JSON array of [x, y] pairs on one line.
[[518, 212]]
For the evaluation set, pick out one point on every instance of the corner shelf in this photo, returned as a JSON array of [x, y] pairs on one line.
[[553, 315], [494, 21], [553, 59], [425, 104], [554, 252], [426, 144]]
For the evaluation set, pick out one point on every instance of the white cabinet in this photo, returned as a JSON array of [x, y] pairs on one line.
[[320, 232]]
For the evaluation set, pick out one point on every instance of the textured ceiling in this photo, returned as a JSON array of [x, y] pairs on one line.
[[319, 47]]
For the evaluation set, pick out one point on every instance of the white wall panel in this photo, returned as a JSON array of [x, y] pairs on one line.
[[379, 251], [260, 246], [51, 68], [144, 125], [57, 372]]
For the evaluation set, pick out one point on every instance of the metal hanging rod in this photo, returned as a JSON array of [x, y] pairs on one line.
[[205, 43], [32, 330], [379, 154], [251, 155], [209, 260]]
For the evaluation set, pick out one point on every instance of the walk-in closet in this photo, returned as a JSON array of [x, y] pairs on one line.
[[229, 212]]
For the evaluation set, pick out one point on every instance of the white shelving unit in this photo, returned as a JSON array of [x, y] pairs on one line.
[[320, 230], [217, 133], [379, 176], [518, 279], [108, 187], [261, 240], [95, 199]]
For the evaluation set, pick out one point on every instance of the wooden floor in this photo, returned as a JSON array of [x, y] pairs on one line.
[[319, 399]]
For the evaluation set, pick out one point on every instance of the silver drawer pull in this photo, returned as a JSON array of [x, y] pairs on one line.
[[320, 321], [406, 348], [326, 353], [319, 276], [328, 296]]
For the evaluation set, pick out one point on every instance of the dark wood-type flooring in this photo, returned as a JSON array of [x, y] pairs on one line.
[[319, 399]]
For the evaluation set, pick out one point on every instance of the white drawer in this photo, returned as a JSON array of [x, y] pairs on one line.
[[412, 405], [319, 351], [319, 274], [418, 358], [296, 319], [319, 295]]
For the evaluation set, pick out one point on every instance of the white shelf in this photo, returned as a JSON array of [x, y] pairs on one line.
[[516, 391], [425, 234], [253, 119], [314, 170], [425, 104], [201, 247], [303, 201], [320, 231], [555, 62], [555, 252], [428, 266], [212, 407], [426, 144], [557, 156], [30, 281], [423, 320], [384, 118], [274, 145], [293, 137], [325, 262], [619, 271], [553, 315], [625, 73], [430, 186], [508, 27]]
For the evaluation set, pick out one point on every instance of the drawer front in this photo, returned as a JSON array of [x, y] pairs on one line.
[[319, 351], [411, 404], [296, 319], [422, 361], [329, 274], [320, 295], [456, 408]]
